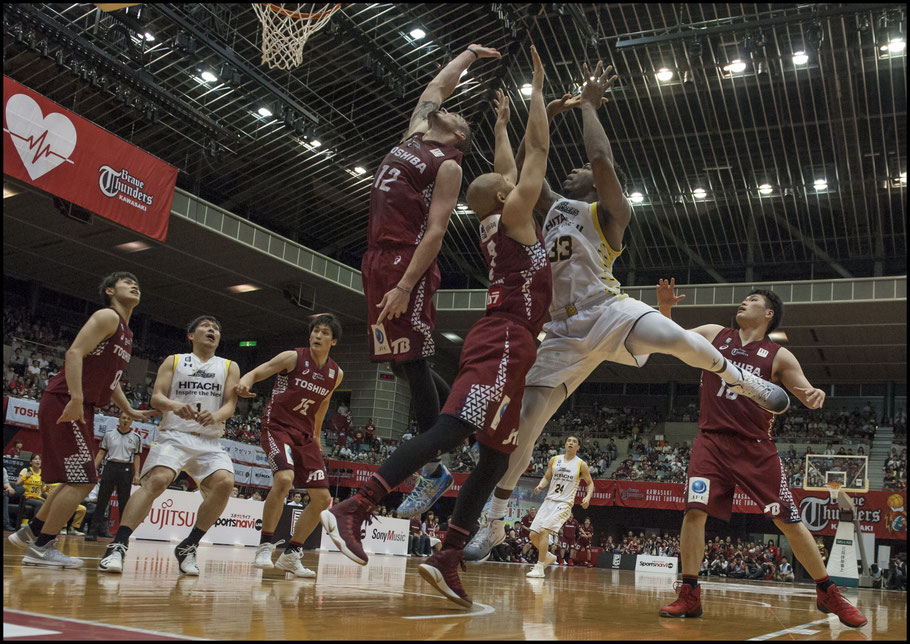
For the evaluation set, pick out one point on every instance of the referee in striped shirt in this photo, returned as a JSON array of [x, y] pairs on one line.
[[122, 448]]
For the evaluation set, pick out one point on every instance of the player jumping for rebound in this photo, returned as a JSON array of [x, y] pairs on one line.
[[291, 426], [734, 447], [411, 200], [592, 320], [498, 351], [563, 474], [196, 393], [90, 378]]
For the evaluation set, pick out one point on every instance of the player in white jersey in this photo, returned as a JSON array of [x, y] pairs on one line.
[[195, 391], [591, 319], [563, 473]]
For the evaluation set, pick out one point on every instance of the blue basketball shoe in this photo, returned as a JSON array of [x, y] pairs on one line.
[[426, 492]]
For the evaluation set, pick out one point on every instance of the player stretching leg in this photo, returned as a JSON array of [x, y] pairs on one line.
[[90, 379], [290, 437], [563, 474], [411, 199], [734, 447], [497, 353], [592, 320], [196, 393]]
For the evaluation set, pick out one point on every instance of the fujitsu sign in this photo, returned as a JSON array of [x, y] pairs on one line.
[[164, 516]]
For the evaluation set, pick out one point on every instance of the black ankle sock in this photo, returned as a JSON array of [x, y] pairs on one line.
[[266, 537], [36, 524], [123, 535], [824, 584], [293, 545], [44, 539], [195, 536], [690, 580]]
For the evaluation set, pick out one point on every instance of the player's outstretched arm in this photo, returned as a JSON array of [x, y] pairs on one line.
[[586, 475], [789, 373], [516, 212], [120, 400], [283, 362], [445, 195], [442, 86], [613, 208], [503, 159], [228, 403], [160, 400], [667, 299]]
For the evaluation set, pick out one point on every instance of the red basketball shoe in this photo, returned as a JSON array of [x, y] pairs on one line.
[[688, 604], [441, 570], [831, 601], [343, 523]]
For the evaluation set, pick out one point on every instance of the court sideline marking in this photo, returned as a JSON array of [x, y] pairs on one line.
[[792, 629], [103, 625]]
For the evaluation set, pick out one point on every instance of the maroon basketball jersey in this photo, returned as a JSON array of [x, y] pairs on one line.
[[297, 395], [101, 369], [723, 410], [569, 528], [402, 190], [521, 285]]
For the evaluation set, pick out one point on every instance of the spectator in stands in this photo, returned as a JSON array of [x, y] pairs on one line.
[[784, 570], [899, 572], [256, 496], [235, 493], [296, 500], [8, 491], [30, 488], [14, 449]]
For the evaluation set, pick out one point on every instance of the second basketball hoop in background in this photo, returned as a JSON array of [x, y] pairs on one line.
[[286, 28]]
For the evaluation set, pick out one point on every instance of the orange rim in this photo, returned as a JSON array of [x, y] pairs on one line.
[[302, 16]]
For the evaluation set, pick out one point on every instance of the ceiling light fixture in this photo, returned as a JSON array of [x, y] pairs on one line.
[[821, 184], [243, 288], [264, 112], [359, 170], [699, 193], [526, 89], [452, 337], [636, 197], [664, 74], [208, 76], [896, 45], [315, 143], [765, 189], [735, 67], [133, 246], [902, 178], [778, 336], [148, 37], [800, 58], [417, 33]]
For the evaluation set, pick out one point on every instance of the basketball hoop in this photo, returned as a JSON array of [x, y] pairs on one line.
[[833, 487], [286, 28]]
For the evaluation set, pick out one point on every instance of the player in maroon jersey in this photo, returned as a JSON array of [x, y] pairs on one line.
[[291, 426], [569, 531], [583, 544], [734, 447], [413, 195], [90, 378], [498, 351]]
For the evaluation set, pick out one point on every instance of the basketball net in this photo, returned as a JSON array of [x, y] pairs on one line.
[[833, 488], [286, 28]]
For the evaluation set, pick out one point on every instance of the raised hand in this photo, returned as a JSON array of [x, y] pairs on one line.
[[485, 52], [666, 293], [501, 103], [537, 79], [597, 83]]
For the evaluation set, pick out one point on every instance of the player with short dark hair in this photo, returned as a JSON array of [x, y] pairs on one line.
[[412, 197], [498, 351], [195, 392], [735, 447], [291, 427], [90, 378]]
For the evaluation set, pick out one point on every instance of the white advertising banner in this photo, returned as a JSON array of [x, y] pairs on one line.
[[244, 452], [22, 412], [653, 563], [242, 474], [173, 515], [384, 535]]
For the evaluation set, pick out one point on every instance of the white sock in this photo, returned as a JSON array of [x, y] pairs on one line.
[[731, 373], [497, 508]]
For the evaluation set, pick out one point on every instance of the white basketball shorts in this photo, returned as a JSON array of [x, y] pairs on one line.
[[198, 456], [575, 346], [551, 516]]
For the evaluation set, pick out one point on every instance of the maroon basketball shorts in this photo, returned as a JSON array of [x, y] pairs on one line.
[[582, 544], [290, 450], [487, 392], [68, 449], [410, 336], [721, 461]]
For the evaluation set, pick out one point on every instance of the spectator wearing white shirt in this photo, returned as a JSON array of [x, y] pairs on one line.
[[784, 570]]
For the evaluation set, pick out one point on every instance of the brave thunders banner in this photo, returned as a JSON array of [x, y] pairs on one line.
[[59, 152]]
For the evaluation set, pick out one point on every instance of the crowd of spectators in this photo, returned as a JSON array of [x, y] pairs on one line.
[[747, 560], [651, 461], [895, 469]]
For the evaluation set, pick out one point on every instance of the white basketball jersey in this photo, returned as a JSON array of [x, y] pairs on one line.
[[202, 385], [580, 257], [564, 483]]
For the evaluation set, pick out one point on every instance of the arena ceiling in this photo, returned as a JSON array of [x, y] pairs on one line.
[[838, 116]]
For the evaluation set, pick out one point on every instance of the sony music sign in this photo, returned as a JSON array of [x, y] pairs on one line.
[[384, 535], [173, 515], [652, 563]]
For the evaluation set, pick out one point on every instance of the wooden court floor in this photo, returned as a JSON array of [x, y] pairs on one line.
[[388, 600]]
